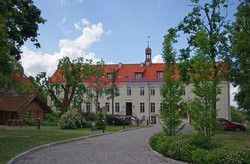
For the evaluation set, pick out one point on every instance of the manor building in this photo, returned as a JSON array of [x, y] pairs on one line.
[[139, 88]]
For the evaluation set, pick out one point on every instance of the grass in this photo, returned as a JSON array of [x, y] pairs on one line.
[[234, 139], [14, 140]]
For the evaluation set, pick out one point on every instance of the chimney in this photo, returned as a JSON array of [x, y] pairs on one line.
[[120, 65]]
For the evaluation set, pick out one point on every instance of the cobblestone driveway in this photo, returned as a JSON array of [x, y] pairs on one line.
[[130, 147]]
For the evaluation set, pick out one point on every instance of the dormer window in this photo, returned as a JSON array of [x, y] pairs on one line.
[[159, 75], [109, 75], [138, 76]]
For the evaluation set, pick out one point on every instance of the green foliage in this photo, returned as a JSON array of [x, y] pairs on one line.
[[201, 107], [25, 117], [236, 115], [19, 22], [112, 89], [101, 121], [71, 120], [191, 149], [199, 156], [226, 155], [90, 116], [72, 90], [172, 89], [52, 117], [240, 62]]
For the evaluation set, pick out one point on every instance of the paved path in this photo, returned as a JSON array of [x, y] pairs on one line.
[[130, 147]]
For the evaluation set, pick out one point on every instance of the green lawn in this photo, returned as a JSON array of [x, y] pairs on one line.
[[234, 139], [14, 140]]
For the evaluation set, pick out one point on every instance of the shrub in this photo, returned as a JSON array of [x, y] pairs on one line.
[[71, 120], [199, 156], [200, 141], [116, 120], [187, 148], [100, 124], [237, 116], [226, 155], [53, 117], [90, 116], [48, 123]]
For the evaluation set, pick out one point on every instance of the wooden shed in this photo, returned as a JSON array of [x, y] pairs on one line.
[[12, 106]]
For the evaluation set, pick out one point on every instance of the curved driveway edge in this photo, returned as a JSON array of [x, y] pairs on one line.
[[127, 147]]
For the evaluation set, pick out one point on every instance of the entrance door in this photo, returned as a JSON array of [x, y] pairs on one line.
[[153, 119], [129, 108]]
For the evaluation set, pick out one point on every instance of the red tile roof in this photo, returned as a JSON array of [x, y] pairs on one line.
[[126, 73]]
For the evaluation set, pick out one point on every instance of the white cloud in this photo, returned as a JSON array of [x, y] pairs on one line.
[[157, 59], [34, 63], [84, 22]]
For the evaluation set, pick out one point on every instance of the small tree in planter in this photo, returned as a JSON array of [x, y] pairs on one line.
[[172, 89]]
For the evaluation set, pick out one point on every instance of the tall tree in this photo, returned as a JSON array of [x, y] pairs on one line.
[[201, 106], [172, 89], [113, 90], [72, 88], [207, 18], [19, 22], [240, 39]]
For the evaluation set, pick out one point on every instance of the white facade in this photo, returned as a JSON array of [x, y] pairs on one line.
[[149, 99]]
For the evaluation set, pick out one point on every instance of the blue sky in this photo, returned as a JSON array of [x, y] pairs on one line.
[[112, 30]]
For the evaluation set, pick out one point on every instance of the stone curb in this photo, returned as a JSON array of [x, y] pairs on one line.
[[26, 153]]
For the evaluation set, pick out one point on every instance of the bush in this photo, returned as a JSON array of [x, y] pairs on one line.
[[90, 116], [199, 156], [116, 120], [187, 148], [52, 118], [226, 155], [200, 141], [71, 120], [100, 123], [237, 116]]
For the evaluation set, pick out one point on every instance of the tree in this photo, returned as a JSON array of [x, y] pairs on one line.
[[72, 90], [207, 20], [172, 89], [97, 83], [113, 90], [201, 106], [240, 66], [19, 22]]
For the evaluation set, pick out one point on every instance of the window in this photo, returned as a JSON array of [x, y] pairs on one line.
[[152, 107], [138, 76], [109, 75], [107, 106], [159, 75], [142, 107], [142, 91], [88, 106], [128, 91], [98, 105], [152, 91], [117, 107]]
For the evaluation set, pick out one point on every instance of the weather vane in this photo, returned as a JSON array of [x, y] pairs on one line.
[[148, 40]]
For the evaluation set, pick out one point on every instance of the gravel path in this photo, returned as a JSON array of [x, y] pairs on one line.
[[129, 147]]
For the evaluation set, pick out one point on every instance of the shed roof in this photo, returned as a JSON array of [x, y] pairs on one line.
[[20, 102]]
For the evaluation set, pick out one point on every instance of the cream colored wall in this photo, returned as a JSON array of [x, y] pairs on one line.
[[223, 103]]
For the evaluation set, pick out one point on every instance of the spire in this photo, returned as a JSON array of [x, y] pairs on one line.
[[148, 53]]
